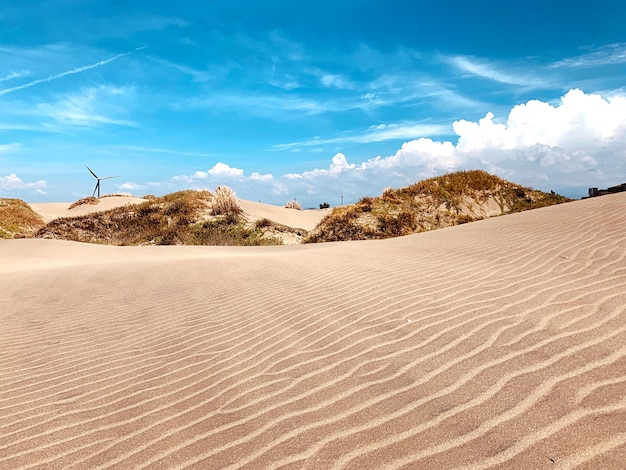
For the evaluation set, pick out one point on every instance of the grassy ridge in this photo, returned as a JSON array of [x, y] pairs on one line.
[[438, 202], [205, 218], [17, 219], [181, 218]]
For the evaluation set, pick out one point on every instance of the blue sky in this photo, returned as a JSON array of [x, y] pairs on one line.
[[308, 100]]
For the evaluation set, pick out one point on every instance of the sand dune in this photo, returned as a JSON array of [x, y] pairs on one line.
[[304, 219], [54, 210], [495, 344]]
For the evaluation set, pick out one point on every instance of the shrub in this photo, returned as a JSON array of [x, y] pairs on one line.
[[324, 205], [225, 202], [293, 205], [264, 222], [86, 200], [365, 204]]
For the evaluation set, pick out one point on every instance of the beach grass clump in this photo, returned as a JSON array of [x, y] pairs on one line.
[[225, 202], [443, 201], [293, 205], [90, 200], [18, 219]]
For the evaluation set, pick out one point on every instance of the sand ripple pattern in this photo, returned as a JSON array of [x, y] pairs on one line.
[[497, 344]]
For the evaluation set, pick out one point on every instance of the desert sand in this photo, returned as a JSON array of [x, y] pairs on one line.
[[495, 344]]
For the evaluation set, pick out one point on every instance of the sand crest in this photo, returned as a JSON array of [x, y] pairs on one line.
[[54, 210], [495, 344]]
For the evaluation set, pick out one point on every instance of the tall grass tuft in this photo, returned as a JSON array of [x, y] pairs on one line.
[[225, 202], [293, 205]]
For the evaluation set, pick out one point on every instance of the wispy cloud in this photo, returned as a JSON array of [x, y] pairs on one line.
[[7, 148], [50, 78], [90, 107], [378, 133], [264, 104], [490, 71], [196, 75], [14, 75], [606, 55], [137, 148]]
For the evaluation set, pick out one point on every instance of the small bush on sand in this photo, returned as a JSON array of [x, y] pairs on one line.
[[293, 205], [264, 222], [86, 200], [225, 202]]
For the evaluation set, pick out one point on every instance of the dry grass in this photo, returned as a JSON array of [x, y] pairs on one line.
[[293, 205], [116, 195], [17, 219], [452, 199], [181, 218], [86, 200], [225, 202]]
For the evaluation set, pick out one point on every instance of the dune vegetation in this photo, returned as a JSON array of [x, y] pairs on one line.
[[216, 218], [17, 219], [181, 218], [439, 202]]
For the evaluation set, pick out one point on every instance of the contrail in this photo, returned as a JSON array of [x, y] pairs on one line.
[[6, 91]]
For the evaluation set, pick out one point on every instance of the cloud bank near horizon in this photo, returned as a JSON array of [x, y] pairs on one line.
[[578, 141]]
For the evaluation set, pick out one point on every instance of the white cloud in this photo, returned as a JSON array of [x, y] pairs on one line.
[[490, 71], [12, 75], [90, 107], [61, 75], [9, 148], [141, 150], [337, 166], [132, 186], [578, 141], [378, 133], [13, 182], [259, 177], [223, 170], [337, 81], [606, 55]]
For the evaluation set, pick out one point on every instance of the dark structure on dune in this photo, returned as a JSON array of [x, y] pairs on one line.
[[594, 192]]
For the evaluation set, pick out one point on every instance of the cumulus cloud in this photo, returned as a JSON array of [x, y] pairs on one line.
[[13, 182], [223, 170], [337, 166], [578, 141]]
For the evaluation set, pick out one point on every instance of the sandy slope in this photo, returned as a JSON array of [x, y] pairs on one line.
[[305, 219], [496, 344]]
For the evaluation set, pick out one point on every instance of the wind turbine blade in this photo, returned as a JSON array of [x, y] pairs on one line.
[[94, 175], [108, 177]]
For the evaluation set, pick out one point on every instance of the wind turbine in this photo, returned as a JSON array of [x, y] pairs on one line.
[[97, 188]]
